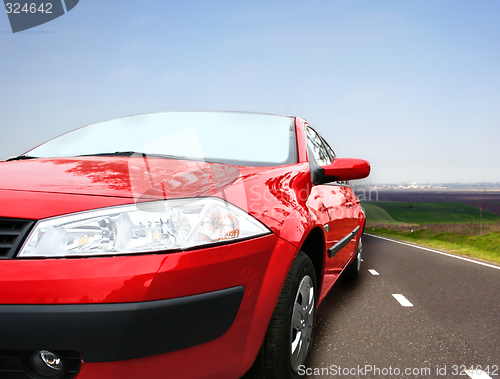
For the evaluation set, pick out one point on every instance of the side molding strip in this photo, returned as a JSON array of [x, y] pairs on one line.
[[342, 243]]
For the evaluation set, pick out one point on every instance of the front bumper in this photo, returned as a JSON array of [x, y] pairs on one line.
[[194, 314], [113, 332]]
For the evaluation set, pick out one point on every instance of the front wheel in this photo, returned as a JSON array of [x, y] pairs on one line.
[[288, 342]]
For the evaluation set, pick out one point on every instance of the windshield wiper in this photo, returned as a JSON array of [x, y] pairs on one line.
[[20, 157], [116, 154], [145, 155]]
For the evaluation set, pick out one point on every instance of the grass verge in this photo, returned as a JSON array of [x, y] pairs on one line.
[[485, 247], [375, 213]]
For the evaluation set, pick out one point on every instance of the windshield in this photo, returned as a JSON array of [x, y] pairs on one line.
[[248, 139]]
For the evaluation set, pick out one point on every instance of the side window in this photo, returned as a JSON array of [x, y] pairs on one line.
[[322, 152], [317, 147], [330, 151]]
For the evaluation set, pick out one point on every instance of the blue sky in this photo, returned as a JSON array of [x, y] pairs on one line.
[[412, 86]]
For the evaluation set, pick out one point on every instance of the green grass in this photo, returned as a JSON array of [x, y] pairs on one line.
[[425, 213], [377, 214], [486, 247], [452, 227]]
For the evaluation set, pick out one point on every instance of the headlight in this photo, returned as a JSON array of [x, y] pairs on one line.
[[140, 228]]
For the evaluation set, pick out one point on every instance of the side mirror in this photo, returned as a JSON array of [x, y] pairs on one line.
[[345, 169]]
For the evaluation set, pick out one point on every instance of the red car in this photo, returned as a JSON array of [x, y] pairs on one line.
[[173, 245]]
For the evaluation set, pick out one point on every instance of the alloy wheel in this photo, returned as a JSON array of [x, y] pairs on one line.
[[303, 315]]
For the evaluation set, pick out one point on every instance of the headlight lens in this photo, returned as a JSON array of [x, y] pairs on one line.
[[140, 228]]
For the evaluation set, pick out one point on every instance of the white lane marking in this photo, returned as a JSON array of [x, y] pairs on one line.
[[402, 300], [477, 374], [437, 251], [373, 272]]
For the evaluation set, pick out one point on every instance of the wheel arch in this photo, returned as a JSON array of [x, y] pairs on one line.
[[314, 247]]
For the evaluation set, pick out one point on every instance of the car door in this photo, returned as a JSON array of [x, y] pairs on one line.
[[332, 204], [345, 212]]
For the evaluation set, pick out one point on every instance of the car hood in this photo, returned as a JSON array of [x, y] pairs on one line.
[[42, 188], [137, 178]]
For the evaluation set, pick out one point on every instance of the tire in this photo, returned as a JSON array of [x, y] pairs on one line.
[[352, 270], [288, 341]]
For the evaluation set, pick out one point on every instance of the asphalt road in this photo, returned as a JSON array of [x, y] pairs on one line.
[[453, 322]]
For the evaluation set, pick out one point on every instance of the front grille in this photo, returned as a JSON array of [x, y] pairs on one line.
[[10, 367], [12, 234], [15, 365]]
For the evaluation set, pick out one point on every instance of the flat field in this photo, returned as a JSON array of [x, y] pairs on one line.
[[425, 213], [445, 220], [491, 198]]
